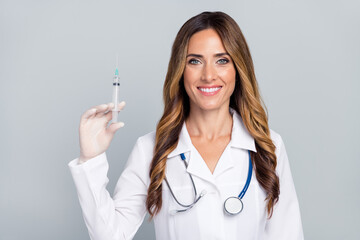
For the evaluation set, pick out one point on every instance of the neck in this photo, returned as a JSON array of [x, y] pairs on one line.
[[209, 124]]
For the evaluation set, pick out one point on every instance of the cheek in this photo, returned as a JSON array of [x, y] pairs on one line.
[[229, 76], [188, 74], [189, 78], [187, 84]]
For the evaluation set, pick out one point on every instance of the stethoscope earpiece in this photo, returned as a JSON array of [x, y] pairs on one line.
[[173, 212], [203, 192]]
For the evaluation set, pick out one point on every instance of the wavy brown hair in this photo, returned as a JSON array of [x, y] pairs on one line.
[[245, 100]]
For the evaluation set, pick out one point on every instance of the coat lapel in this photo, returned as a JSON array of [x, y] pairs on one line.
[[240, 137], [197, 166]]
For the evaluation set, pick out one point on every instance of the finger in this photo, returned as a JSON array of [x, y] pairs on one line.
[[120, 106], [88, 114], [110, 106], [101, 109], [108, 115], [115, 126]]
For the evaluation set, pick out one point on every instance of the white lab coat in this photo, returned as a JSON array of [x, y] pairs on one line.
[[120, 216]]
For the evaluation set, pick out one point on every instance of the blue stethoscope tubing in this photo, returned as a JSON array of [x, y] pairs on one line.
[[241, 195], [232, 205]]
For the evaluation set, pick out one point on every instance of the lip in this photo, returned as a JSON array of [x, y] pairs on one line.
[[209, 93], [212, 86]]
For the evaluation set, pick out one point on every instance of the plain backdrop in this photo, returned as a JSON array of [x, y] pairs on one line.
[[57, 60]]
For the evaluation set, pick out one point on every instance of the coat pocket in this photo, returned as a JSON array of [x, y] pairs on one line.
[[183, 221]]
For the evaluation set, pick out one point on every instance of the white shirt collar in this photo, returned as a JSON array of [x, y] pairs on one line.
[[240, 137]]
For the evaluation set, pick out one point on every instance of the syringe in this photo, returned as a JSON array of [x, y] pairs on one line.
[[116, 88]]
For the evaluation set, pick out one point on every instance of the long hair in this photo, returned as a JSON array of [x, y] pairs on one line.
[[245, 100]]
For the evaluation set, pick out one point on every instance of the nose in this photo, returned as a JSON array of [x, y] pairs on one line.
[[208, 72]]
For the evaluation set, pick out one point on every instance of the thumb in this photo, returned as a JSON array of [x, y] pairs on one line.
[[115, 126]]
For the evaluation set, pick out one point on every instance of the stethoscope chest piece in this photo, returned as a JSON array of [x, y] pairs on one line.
[[233, 205]]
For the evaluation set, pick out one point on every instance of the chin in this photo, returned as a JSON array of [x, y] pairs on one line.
[[208, 107]]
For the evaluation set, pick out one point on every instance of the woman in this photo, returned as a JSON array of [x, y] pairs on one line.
[[212, 136]]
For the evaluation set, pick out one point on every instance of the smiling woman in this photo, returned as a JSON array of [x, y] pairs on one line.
[[212, 140], [201, 38]]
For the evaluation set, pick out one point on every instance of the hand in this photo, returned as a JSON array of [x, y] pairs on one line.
[[95, 137]]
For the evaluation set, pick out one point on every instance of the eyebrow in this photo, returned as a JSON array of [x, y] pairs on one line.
[[201, 56]]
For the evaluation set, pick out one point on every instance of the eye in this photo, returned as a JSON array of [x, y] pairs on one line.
[[223, 61], [194, 61]]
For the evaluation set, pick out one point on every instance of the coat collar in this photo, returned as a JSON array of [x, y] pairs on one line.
[[240, 137]]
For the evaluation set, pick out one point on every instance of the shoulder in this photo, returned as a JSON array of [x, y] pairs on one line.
[[277, 140], [147, 140], [141, 156], [283, 165], [145, 145]]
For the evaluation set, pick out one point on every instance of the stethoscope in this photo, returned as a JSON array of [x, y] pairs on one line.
[[232, 205]]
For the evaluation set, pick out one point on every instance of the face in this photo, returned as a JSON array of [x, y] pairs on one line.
[[209, 75]]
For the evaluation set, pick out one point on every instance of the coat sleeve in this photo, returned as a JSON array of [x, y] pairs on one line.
[[110, 218], [285, 222]]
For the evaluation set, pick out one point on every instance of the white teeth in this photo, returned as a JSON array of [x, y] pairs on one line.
[[209, 90]]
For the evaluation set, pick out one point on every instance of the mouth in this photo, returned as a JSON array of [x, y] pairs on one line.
[[209, 91]]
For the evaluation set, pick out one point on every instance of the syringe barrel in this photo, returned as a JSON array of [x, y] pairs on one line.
[[115, 100], [114, 117]]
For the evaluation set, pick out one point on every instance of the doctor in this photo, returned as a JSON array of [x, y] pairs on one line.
[[212, 144]]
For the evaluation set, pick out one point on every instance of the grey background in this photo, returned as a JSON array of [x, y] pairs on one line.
[[57, 60]]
